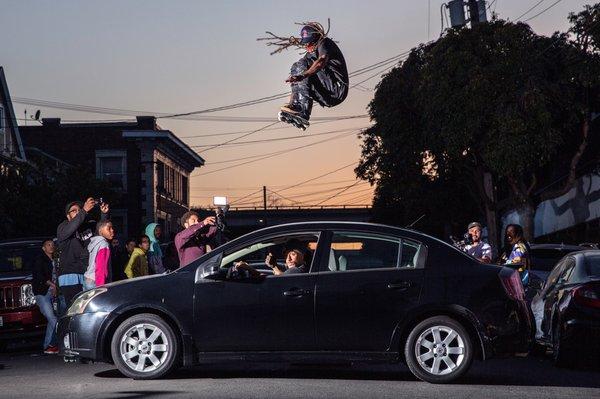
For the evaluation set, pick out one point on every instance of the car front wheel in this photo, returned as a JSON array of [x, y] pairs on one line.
[[438, 350], [145, 347]]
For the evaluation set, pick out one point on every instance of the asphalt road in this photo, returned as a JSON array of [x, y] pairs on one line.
[[30, 375]]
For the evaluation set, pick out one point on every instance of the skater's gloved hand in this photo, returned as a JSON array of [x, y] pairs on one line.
[[295, 78]]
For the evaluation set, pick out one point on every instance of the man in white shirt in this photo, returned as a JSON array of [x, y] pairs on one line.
[[480, 250]]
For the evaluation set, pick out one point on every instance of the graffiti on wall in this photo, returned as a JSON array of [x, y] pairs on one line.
[[581, 204]]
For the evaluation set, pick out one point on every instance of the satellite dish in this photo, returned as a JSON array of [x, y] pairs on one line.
[[37, 115]]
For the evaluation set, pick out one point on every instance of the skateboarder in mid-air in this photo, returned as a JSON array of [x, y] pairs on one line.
[[320, 75]]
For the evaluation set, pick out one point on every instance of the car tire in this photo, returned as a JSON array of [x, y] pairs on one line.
[[438, 350], [145, 347]]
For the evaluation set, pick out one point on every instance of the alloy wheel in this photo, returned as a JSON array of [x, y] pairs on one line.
[[144, 347], [439, 350]]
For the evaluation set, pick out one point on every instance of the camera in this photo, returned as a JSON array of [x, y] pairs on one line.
[[99, 201], [467, 239]]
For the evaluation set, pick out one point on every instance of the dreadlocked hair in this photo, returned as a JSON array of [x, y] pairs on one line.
[[283, 43]]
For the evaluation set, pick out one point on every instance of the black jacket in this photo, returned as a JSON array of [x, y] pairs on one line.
[[73, 238], [41, 272]]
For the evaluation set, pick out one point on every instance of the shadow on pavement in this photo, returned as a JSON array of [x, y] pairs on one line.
[[142, 394], [227, 371], [518, 372]]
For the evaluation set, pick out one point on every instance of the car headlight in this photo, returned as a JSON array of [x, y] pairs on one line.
[[27, 297], [79, 305]]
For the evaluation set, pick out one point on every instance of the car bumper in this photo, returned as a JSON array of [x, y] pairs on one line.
[[582, 333], [21, 323], [78, 334], [515, 333]]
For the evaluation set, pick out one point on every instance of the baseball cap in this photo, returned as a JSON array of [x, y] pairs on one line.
[[474, 224]]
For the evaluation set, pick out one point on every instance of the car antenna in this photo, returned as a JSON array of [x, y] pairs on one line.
[[415, 222]]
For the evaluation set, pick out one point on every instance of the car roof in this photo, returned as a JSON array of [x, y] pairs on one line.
[[563, 247], [329, 224], [30, 240]]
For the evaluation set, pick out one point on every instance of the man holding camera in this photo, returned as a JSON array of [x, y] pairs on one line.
[[191, 242], [73, 236], [478, 249]]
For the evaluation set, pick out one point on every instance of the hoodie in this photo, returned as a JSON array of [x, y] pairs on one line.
[[73, 237], [137, 265], [98, 269], [154, 253], [191, 242]]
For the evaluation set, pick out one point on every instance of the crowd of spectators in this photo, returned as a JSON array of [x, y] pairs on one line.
[[86, 254]]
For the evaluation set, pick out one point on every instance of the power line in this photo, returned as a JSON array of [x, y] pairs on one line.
[[247, 196], [194, 115], [543, 11], [273, 155], [529, 10], [318, 177], [320, 120], [302, 136], [239, 137], [338, 193]]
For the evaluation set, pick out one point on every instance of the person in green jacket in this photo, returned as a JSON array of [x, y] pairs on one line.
[[138, 263]]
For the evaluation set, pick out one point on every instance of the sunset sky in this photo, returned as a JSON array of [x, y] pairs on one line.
[[181, 56]]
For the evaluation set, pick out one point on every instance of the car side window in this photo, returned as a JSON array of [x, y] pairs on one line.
[[362, 251], [256, 253], [569, 267]]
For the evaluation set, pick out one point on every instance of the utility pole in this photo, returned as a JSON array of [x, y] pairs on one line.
[[264, 219]]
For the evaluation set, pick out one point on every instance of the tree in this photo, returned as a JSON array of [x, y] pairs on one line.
[[482, 108], [33, 197]]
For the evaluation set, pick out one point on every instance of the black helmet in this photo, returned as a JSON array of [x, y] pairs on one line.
[[309, 34]]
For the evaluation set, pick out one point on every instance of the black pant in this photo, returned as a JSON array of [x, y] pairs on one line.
[[69, 292], [323, 87]]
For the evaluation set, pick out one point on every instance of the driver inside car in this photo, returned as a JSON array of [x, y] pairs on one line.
[[294, 263]]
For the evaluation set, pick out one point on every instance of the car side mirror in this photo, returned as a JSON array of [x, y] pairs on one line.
[[210, 272]]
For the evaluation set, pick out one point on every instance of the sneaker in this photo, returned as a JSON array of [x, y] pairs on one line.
[[51, 350]]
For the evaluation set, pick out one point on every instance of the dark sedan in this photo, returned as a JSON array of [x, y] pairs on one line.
[[568, 309], [370, 293]]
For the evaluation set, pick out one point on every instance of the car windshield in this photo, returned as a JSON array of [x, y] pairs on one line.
[[18, 257], [545, 259]]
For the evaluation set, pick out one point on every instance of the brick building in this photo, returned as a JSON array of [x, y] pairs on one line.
[[11, 148], [148, 167]]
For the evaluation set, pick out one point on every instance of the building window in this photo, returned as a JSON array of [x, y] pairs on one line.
[[171, 183], [184, 183], [160, 177], [111, 166]]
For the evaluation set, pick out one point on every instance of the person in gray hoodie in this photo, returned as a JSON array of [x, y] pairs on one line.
[[98, 270]]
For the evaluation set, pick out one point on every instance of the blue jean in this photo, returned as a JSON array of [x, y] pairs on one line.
[[44, 302]]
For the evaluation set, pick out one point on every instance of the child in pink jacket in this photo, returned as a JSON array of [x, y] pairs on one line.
[[98, 271]]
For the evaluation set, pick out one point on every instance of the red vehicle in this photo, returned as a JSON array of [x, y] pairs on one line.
[[19, 316]]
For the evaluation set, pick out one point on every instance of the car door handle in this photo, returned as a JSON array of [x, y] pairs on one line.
[[296, 292], [402, 285]]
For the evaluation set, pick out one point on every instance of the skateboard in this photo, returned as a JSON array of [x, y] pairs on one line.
[[286, 117]]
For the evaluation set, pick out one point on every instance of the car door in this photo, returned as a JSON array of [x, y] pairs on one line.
[[272, 313], [365, 286]]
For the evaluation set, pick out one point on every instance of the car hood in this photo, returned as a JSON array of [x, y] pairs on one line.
[[12, 276], [133, 280]]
